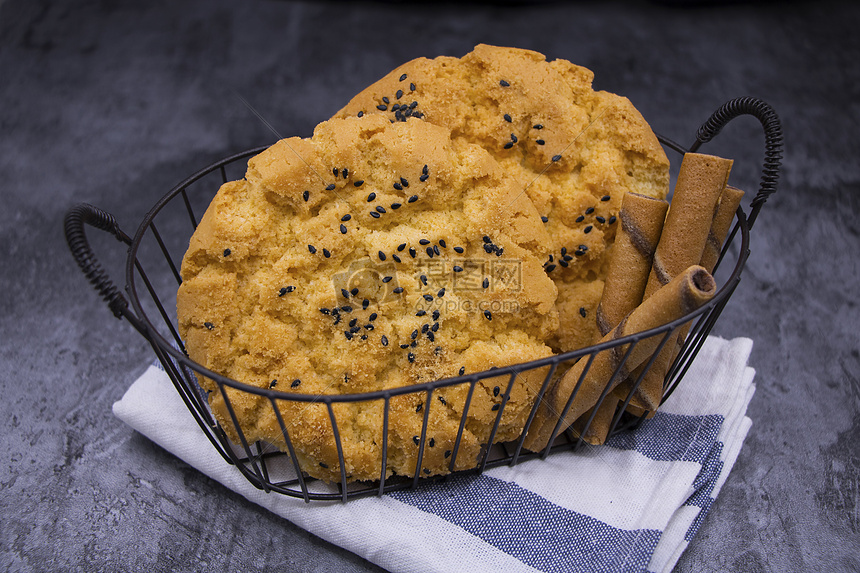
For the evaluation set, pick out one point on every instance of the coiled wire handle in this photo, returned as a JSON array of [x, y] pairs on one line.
[[73, 224], [762, 111]]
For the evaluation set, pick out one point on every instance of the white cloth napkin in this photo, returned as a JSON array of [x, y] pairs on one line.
[[630, 505]]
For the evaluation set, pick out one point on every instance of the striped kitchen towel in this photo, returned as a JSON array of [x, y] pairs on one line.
[[633, 504]]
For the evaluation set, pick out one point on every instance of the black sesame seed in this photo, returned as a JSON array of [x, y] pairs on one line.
[[430, 252], [544, 219], [374, 214], [208, 325], [612, 219], [504, 83], [447, 453], [354, 291], [423, 279], [371, 197], [563, 263], [358, 183], [487, 239], [431, 443], [396, 258], [486, 283], [443, 244], [326, 253], [227, 252], [411, 357], [404, 182], [442, 400], [462, 371], [386, 279], [354, 329], [401, 246], [425, 170], [423, 178], [273, 383], [385, 99], [384, 340], [412, 252], [508, 145], [421, 313], [412, 199], [441, 293], [345, 172], [346, 308], [395, 205], [414, 334], [436, 315], [435, 327], [556, 157], [550, 268], [605, 198], [412, 87], [458, 249], [398, 290], [398, 186], [540, 142], [513, 138], [488, 315], [283, 291], [428, 297], [589, 211], [346, 217], [538, 126], [587, 229], [360, 114], [496, 391], [419, 407], [347, 334], [580, 219], [335, 171], [306, 195], [323, 465], [495, 407], [582, 312], [507, 118], [380, 209], [365, 303], [404, 346], [399, 94], [489, 248], [329, 187], [423, 242], [312, 249], [343, 229], [458, 269], [372, 317], [344, 293], [325, 310], [600, 219], [403, 77], [436, 250]]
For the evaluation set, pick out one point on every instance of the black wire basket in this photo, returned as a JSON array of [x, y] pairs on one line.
[[152, 277]]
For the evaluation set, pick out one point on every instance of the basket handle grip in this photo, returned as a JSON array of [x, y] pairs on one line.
[[74, 222], [762, 111]]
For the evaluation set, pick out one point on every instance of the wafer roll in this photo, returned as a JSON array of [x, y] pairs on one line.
[[629, 266], [701, 180], [581, 388]]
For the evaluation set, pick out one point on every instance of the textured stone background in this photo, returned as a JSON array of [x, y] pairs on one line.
[[114, 102]]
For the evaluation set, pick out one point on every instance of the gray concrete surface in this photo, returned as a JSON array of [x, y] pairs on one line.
[[114, 102]]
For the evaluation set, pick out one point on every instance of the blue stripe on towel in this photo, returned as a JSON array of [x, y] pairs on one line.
[[530, 528], [672, 437]]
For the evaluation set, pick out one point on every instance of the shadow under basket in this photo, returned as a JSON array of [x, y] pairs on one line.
[[152, 277]]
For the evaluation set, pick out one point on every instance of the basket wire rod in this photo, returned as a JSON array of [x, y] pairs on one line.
[[169, 368], [616, 374], [291, 450], [249, 456], [189, 209], [166, 254], [422, 439], [498, 420], [383, 470], [550, 373], [157, 301], [558, 424], [262, 458], [472, 382], [728, 242], [340, 459], [223, 174]]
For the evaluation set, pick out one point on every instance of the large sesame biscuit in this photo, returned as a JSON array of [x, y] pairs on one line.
[[372, 256], [574, 152]]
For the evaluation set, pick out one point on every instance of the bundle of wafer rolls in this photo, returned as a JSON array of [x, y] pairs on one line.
[[660, 270]]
